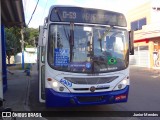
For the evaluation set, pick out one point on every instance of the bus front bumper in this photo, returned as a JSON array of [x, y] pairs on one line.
[[56, 99]]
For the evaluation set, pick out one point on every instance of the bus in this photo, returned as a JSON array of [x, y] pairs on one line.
[[83, 57]]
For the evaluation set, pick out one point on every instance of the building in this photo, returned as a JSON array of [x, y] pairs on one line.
[[30, 56], [145, 21]]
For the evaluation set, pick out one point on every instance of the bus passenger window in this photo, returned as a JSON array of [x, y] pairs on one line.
[[43, 54]]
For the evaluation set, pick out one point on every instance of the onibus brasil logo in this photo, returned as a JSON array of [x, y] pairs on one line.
[[18, 114]]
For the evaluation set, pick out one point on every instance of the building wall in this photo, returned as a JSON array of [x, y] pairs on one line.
[[149, 35], [154, 44], [28, 58], [139, 12]]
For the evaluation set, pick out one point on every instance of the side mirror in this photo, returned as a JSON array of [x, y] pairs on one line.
[[131, 42]]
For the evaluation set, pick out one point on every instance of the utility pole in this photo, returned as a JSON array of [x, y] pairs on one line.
[[22, 46]]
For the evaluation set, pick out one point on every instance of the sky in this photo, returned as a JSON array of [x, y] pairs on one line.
[[44, 5]]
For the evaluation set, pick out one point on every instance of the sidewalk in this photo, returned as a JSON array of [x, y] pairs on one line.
[[17, 94]]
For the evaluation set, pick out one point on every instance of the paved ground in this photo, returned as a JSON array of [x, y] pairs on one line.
[[17, 94], [22, 94]]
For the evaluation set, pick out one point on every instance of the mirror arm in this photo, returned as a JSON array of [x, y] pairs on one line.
[[131, 42]]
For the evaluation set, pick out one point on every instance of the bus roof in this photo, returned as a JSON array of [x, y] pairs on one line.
[[76, 14]]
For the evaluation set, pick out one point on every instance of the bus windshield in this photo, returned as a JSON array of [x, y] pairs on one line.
[[87, 48]]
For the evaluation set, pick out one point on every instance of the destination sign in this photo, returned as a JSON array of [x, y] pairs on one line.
[[87, 15]]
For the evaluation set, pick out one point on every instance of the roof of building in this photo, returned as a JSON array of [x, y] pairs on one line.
[[12, 13]]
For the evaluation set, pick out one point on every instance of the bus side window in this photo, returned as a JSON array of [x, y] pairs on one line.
[[43, 54]]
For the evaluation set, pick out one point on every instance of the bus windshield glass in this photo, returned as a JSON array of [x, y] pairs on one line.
[[87, 48]]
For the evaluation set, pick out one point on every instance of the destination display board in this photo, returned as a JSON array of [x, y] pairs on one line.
[[87, 15]]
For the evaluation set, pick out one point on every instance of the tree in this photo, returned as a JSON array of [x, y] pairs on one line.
[[13, 45], [31, 36], [13, 37]]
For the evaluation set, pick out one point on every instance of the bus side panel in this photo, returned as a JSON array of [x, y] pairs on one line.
[[55, 99]]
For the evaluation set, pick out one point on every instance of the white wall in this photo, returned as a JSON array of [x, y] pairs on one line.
[[28, 58], [155, 14]]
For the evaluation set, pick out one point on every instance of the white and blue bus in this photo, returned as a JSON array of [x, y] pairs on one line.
[[83, 57]]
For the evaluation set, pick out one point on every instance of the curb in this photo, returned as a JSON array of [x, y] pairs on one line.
[[26, 101]]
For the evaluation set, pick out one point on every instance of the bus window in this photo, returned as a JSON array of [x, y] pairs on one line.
[[43, 54]]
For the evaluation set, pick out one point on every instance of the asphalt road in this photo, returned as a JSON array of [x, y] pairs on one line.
[[144, 95]]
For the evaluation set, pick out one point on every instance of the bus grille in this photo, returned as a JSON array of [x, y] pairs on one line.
[[86, 89], [100, 80], [90, 99]]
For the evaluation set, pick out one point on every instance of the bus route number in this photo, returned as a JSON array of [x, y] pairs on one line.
[[66, 82], [70, 15]]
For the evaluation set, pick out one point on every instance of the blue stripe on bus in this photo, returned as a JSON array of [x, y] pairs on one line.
[[57, 99]]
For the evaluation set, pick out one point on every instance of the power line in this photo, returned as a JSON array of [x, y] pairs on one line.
[[33, 13]]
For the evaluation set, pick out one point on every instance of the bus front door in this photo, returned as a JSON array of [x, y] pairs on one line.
[[41, 71]]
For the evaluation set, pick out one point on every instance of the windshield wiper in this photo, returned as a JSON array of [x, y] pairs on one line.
[[71, 40], [100, 38]]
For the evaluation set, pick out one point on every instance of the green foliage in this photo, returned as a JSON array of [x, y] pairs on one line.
[[29, 46], [31, 36], [13, 45], [13, 37]]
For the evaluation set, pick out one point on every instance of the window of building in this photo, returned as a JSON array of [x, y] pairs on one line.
[[137, 25], [134, 25], [156, 8]]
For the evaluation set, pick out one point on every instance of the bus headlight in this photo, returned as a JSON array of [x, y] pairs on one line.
[[57, 86], [122, 84]]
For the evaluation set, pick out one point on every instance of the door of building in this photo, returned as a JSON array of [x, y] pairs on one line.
[[141, 57]]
